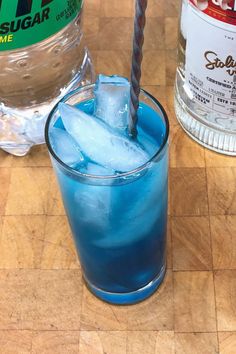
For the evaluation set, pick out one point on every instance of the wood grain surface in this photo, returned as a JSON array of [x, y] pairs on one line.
[[44, 306]]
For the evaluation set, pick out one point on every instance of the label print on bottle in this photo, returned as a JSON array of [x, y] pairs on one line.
[[26, 22], [211, 64]]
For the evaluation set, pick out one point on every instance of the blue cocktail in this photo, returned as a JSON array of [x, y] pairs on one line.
[[114, 190]]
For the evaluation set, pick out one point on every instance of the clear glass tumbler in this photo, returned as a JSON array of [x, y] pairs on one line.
[[118, 222]]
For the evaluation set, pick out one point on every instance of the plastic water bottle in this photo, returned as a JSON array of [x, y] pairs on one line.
[[42, 57]]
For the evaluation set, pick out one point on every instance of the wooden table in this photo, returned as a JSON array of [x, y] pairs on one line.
[[44, 305]]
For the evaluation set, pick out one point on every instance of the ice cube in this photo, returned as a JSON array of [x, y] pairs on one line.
[[141, 209], [65, 147], [112, 100], [96, 170], [100, 143], [93, 207]]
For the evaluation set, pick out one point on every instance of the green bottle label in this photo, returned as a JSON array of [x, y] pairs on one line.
[[26, 22]]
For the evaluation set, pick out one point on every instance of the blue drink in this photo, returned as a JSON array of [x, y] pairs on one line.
[[118, 220]]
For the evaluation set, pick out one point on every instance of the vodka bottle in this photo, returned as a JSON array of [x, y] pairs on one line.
[[205, 91], [42, 57]]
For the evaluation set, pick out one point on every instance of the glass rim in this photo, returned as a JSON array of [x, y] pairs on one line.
[[108, 177]]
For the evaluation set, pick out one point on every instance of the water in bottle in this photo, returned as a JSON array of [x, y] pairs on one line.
[[42, 57]]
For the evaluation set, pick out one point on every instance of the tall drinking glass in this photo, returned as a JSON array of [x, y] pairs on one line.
[[119, 222]]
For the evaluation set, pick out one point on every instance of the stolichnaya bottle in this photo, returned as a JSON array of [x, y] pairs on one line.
[[205, 91], [42, 57]]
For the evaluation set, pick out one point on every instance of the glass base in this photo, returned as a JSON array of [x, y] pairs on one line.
[[132, 297]]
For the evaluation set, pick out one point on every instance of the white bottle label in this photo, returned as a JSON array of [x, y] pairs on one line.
[[211, 62]]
